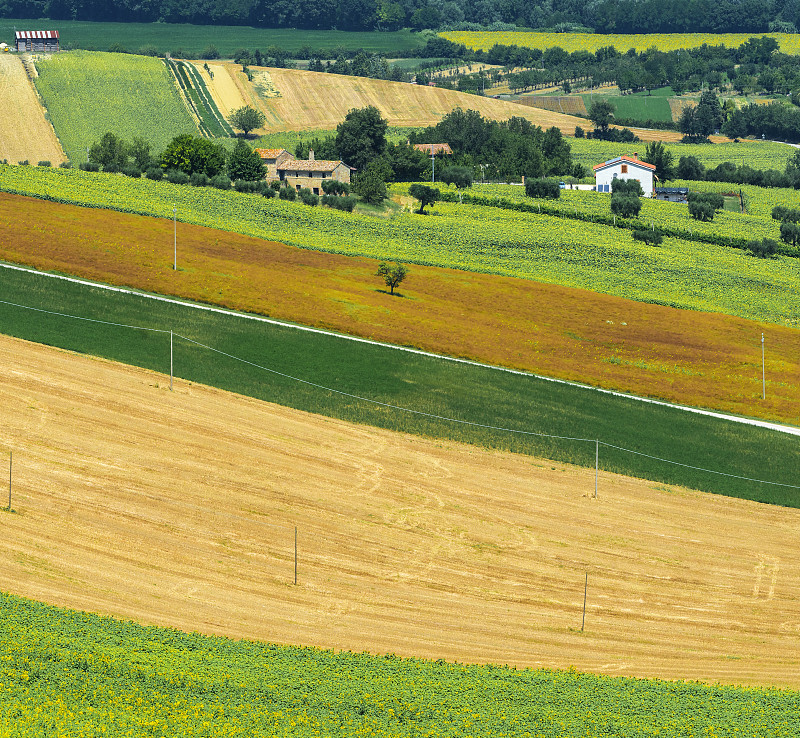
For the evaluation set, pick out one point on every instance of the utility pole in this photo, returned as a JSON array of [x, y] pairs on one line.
[[433, 165], [763, 376], [175, 236]]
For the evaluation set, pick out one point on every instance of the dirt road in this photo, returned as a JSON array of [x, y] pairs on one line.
[[179, 508]]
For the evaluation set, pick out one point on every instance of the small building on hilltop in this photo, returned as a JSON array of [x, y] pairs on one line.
[[39, 41], [624, 167], [299, 173]]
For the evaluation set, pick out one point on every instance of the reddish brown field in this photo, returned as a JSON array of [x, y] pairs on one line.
[[699, 359]]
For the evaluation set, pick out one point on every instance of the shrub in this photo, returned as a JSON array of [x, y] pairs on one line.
[[268, 192], [89, 166], [111, 168], [579, 132], [23, 163], [246, 185], [65, 165], [133, 171], [155, 173], [199, 179], [542, 188], [335, 187], [785, 215], [220, 181], [339, 203], [308, 197], [701, 210], [44, 163], [767, 247], [649, 235], [790, 233], [176, 176], [625, 205], [714, 199], [276, 185], [287, 193]]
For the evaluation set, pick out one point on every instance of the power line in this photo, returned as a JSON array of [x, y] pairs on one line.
[[400, 408]]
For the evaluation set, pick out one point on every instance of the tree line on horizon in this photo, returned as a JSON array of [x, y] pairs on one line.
[[601, 16]]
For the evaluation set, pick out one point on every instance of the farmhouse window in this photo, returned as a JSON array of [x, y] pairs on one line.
[[624, 168]]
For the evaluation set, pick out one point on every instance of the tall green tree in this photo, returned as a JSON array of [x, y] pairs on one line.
[[246, 119], [370, 182], [244, 163], [663, 160], [601, 113], [361, 136], [191, 154], [110, 151]]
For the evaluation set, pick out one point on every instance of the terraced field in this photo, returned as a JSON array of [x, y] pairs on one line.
[[411, 546], [321, 101], [25, 134]]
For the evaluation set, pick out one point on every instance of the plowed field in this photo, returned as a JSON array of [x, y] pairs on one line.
[[313, 100], [699, 359], [25, 134], [179, 508]]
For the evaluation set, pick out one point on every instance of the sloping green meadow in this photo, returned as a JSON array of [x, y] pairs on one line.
[[477, 238], [89, 93], [71, 673]]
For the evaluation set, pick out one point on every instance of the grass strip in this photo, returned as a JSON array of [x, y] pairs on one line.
[[66, 672], [428, 385]]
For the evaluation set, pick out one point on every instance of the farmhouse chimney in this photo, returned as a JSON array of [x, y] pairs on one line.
[[311, 154], [636, 155]]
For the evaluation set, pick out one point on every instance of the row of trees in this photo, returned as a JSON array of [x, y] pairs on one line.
[[605, 16]]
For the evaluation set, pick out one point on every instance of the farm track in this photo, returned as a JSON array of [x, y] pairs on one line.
[[313, 100], [178, 509], [25, 133], [698, 359]]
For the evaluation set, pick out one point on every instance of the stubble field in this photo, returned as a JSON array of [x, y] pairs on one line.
[[25, 134], [179, 508]]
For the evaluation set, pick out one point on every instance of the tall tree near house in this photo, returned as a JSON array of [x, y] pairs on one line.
[[244, 163], [601, 113], [361, 136], [657, 155]]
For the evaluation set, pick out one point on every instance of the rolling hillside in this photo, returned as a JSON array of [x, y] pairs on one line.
[[321, 101], [25, 133], [179, 508]]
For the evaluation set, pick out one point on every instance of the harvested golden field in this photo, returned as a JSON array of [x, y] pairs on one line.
[[700, 359], [315, 100], [179, 509], [25, 134]]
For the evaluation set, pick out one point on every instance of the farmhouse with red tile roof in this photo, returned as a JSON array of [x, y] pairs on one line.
[[624, 167]]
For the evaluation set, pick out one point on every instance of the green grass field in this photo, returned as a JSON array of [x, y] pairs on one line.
[[428, 385], [89, 93], [640, 106], [70, 673], [184, 40]]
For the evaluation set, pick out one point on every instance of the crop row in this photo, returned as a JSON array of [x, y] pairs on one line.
[[469, 237], [90, 93], [789, 42], [727, 229], [70, 673]]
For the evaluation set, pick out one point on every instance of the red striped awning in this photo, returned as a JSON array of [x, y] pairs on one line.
[[36, 34]]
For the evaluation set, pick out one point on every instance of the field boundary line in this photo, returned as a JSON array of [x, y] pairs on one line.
[[781, 428]]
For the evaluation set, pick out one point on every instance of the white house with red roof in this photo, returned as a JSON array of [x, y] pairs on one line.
[[625, 167]]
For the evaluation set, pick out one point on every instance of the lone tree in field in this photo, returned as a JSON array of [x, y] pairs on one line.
[[246, 119], [426, 195], [392, 274]]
